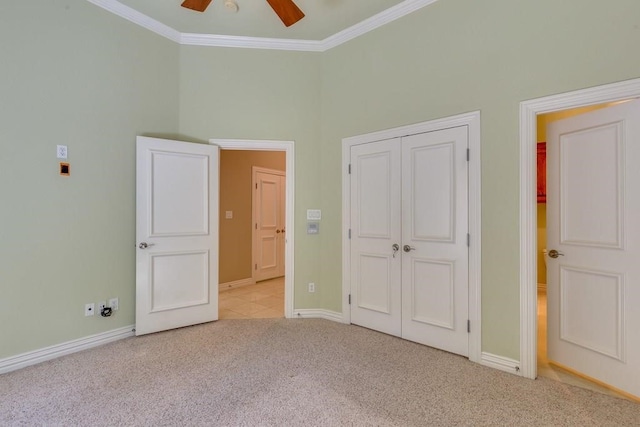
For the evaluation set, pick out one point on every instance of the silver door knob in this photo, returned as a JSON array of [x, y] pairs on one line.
[[555, 254], [145, 245], [408, 248], [396, 248]]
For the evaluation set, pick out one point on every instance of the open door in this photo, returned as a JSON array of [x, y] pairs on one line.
[[593, 238], [176, 234]]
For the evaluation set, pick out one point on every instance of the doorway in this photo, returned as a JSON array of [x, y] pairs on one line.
[[239, 288], [548, 296], [528, 210]]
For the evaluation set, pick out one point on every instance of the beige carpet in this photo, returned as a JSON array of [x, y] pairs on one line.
[[289, 372]]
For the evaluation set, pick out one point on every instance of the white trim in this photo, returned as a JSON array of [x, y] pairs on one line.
[[386, 16], [289, 251], [319, 314], [138, 18], [528, 205], [219, 40], [501, 363], [472, 120], [236, 284], [37, 356], [216, 40]]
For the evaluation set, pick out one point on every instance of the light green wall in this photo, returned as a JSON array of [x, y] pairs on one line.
[[263, 94], [457, 56], [73, 74]]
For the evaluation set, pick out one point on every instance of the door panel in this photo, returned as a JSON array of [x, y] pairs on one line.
[[593, 204], [176, 230], [435, 290], [171, 174], [592, 169], [375, 228], [432, 184]]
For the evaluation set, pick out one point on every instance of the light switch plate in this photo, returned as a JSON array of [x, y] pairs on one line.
[[228, 214], [314, 214], [61, 151]]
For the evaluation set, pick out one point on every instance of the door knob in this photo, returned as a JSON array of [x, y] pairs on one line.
[[145, 245], [408, 248], [555, 254], [396, 248], [278, 231]]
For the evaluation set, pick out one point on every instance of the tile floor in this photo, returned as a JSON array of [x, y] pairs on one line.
[[548, 370], [264, 300]]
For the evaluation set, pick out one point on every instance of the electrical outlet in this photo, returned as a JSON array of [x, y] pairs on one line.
[[312, 287], [101, 305], [113, 303], [89, 309]]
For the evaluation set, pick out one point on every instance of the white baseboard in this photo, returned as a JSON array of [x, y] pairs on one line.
[[236, 284], [32, 357], [318, 314], [501, 363]]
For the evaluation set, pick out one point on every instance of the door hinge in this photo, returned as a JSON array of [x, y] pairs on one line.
[[468, 326], [349, 168], [468, 240], [256, 185], [349, 299], [468, 154], [349, 233], [256, 267], [256, 225]]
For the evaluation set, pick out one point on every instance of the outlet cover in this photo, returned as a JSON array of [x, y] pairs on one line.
[[312, 287], [113, 303], [89, 309]]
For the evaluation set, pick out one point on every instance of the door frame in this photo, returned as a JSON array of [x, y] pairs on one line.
[[254, 235], [529, 111], [288, 148], [472, 120]]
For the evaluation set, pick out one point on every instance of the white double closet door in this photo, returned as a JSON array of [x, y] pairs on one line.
[[409, 251]]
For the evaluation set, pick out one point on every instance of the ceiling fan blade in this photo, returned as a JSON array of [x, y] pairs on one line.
[[287, 10], [197, 5]]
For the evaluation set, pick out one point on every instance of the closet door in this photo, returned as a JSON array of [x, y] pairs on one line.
[[434, 239], [375, 229]]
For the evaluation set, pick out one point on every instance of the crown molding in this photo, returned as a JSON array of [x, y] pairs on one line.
[[138, 18], [376, 21], [216, 40]]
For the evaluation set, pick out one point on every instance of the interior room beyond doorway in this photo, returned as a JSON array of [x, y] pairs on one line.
[[240, 296]]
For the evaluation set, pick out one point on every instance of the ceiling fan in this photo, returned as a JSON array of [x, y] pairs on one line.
[[286, 10]]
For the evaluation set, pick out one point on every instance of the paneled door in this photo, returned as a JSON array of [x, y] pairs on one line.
[[435, 259], [176, 234], [376, 236], [268, 223], [409, 225], [593, 241]]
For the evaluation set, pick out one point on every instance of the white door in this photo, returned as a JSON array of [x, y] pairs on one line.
[[435, 258], [269, 219], [176, 233], [411, 192], [593, 211], [375, 229]]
